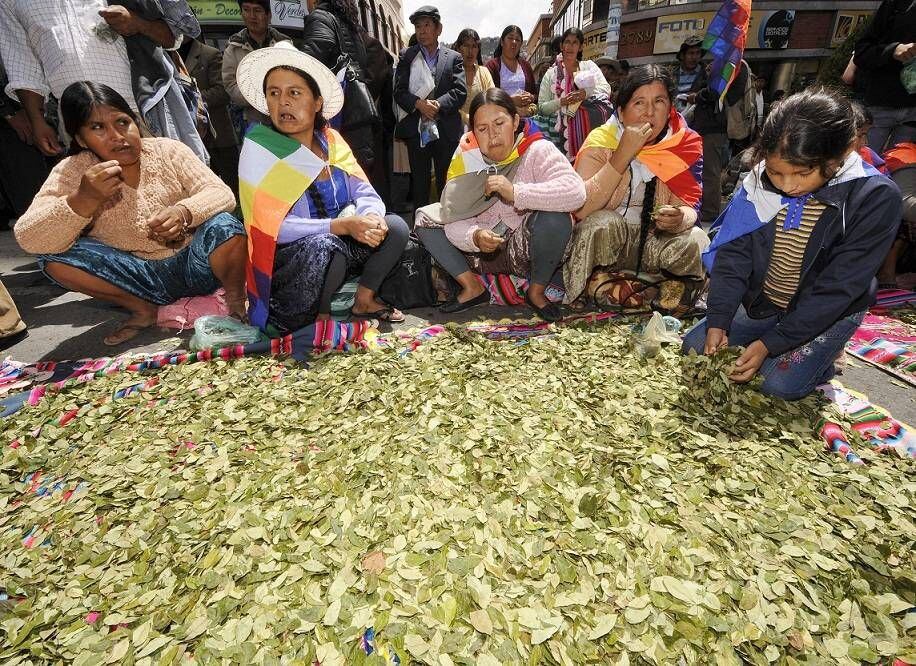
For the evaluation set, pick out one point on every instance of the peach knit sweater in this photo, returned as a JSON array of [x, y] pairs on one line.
[[170, 174]]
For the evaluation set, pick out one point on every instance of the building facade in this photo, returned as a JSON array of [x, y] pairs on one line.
[[382, 19], [788, 42], [538, 46]]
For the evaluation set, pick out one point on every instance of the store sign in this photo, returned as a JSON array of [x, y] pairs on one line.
[[284, 13], [768, 29], [595, 41], [631, 36], [846, 24]]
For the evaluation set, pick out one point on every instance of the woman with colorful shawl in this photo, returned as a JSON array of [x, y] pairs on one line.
[[312, 217], [792, 267], [505, 207], [642, 173], [564, 88]]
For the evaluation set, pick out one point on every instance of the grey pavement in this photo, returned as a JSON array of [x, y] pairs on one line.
[[67, 326]]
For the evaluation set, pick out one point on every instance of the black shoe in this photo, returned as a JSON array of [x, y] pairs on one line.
[[550, 312], [454, 306], [15, 338]]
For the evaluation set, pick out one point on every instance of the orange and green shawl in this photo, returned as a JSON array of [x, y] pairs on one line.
[[274, 173], [900, 156], [677, 160]]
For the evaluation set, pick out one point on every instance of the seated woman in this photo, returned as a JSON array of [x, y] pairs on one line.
[[313, 219], [132, 220], [505, 206], [642, 178], [793, 264]]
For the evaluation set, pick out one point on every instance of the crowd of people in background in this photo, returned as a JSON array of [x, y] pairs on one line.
[[144, 166]]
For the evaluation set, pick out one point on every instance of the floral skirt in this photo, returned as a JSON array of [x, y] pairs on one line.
[[605, 238], [300, 269]]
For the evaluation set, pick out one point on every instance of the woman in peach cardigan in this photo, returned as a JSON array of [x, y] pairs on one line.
[[136, 221]]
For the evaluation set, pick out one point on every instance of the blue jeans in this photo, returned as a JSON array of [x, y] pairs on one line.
[[796, 373], [158, 281], [888, 128]]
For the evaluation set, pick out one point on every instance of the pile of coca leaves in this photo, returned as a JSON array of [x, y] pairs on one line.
[[558, 501]]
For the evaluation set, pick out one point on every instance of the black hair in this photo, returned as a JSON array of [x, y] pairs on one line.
[[625, 64], [690, 43], [861, 115], [345, 9], [642, 76], [263, 4], [498, 51], [463, 36], [496, 96], [555, 45], [320, 121], [809, 129], [412, 40], [578, 34], [80, 99]]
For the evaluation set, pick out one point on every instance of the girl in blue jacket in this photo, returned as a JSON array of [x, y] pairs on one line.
[[792, 268]]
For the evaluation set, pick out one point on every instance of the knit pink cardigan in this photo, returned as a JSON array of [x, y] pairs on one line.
[[545, 181]]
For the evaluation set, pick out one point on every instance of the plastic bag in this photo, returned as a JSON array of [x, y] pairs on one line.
[[647, 341], [429, 132], [908, 77], [217, 331]]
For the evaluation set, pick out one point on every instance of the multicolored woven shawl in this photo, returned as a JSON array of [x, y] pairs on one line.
[[677, 160], [274, 172]]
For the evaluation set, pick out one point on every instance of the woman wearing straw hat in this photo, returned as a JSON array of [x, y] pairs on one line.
[[313, 217]]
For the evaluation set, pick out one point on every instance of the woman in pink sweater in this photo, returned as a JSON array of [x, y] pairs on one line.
[[135, 221], [505, 207]]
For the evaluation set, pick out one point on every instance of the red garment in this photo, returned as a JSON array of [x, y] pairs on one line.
[[901, 155]]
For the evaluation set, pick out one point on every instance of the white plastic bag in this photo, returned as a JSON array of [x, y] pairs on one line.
[[658, 330]]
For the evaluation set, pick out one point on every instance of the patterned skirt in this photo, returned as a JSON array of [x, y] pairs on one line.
[[300, 269], [605, 238]]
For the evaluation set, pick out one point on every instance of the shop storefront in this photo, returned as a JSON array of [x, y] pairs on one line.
[[220, 19]]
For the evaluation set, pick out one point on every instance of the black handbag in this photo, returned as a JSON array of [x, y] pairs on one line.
[[410, 283], [359, 108]]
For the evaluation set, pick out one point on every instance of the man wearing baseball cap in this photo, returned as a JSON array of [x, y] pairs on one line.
[[430, 87]]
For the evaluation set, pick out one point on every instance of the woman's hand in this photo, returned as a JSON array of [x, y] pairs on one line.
[[487, 241], [716, 339], [634, 139], [169, 224], [98, 184], [522, 99], [501, 186], [669, 218], [574, 97], [367, 229], [749, 362]]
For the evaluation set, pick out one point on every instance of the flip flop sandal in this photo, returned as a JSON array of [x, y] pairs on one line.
[[124, 334], [382, 314]]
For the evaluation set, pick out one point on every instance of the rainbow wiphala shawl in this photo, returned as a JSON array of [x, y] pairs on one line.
[[677, 160], [274, 172], [469, 159]]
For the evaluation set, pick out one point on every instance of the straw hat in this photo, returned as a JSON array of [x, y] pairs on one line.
[[254, 67]]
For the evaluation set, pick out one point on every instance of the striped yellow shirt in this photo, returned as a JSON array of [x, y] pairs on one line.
[[788, 254]]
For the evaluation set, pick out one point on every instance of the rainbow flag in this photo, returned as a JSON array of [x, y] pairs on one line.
[[725, 40], [677, 159], [274, 172]]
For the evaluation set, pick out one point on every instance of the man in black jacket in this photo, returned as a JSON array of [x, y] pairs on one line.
[[441, 106], [331, 30], [710, 122], [889, 44]]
